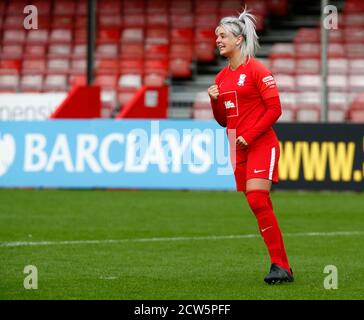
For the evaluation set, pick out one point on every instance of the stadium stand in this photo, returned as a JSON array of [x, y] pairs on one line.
[[158, 42]]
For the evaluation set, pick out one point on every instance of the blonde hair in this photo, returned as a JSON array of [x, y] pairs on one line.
[[244, 26]]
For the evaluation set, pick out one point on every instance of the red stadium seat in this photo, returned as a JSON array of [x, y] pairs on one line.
[[107, 66], [60, 22], [354, 50], [14, 22], [43, 7], [206, 21], [128, 85], [132, 66], [337, 82], [336, 115], [64, 7], [55, 83], [58, 66], [157, 35], [157, 20], [14, 36], [10, 66], [32, 51], [131, 7], [78, 66], [356, 83], [336, 50], [37, 36], [154, 79], [108, 35], [181, 50], [338, 100], [81, 9], [205, 52], [308, 66], [338, 66], [307, 50], [308, 114], [132, 50], [285, 82], [182, 20], [34, 66], [283, 65], [31, 83], [81, 23], [12, 51], [132, 35], [288, 99], [59, 51], [60, 36], [353, 35], [157, 6], [288, 114], [107, 81], [156, 51], [353, 20], [108, 50], [182, 35], [110, 21], [79, 51], [77, 80], [309, 99], [207, 6], [307, 35], [134, 20], [80, 36], [159, 66], [9, 83], [181, 7], [356, 66], [356, 116], [308, 82], [109, 6], [336, 36], [282, 50], [15, 7], [180, 68]]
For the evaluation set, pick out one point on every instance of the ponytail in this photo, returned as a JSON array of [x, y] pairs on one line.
[[250, 45]]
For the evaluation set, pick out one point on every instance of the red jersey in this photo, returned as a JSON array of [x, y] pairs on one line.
[[242, 92]]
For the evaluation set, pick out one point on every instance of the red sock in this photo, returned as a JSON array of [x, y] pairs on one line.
[[284, 254], [261, 206]]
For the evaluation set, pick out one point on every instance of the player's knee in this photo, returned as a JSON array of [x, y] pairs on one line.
[[258, 200]]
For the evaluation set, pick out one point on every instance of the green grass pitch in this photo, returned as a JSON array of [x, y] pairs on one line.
[[175, 245]]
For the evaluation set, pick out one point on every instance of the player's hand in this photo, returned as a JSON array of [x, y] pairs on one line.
[[240, 141], [213, 91]]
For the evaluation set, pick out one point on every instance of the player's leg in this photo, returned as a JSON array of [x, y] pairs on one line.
[[257, 194], [261, 171]]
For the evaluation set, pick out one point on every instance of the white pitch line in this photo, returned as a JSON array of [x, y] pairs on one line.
[[226, 237]]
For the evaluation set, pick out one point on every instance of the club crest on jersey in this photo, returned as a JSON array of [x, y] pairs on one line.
[[241, 80]]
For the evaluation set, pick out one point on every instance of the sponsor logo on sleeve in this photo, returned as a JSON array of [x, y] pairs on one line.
[[269, 81]]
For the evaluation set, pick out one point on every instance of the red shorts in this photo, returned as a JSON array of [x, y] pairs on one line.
[[259, 160]]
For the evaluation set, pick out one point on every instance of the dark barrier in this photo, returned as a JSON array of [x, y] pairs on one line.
[[321, 156]]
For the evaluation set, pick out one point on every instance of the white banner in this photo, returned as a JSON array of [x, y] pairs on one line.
[[29, 106]]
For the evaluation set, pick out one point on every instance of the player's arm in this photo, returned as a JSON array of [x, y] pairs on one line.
[[270, 96], [218, 112], [274, 111]]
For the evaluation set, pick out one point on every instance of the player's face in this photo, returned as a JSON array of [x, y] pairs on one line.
[[226, 42]]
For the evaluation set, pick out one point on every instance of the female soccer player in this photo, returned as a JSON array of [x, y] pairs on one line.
[[245, 99]]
